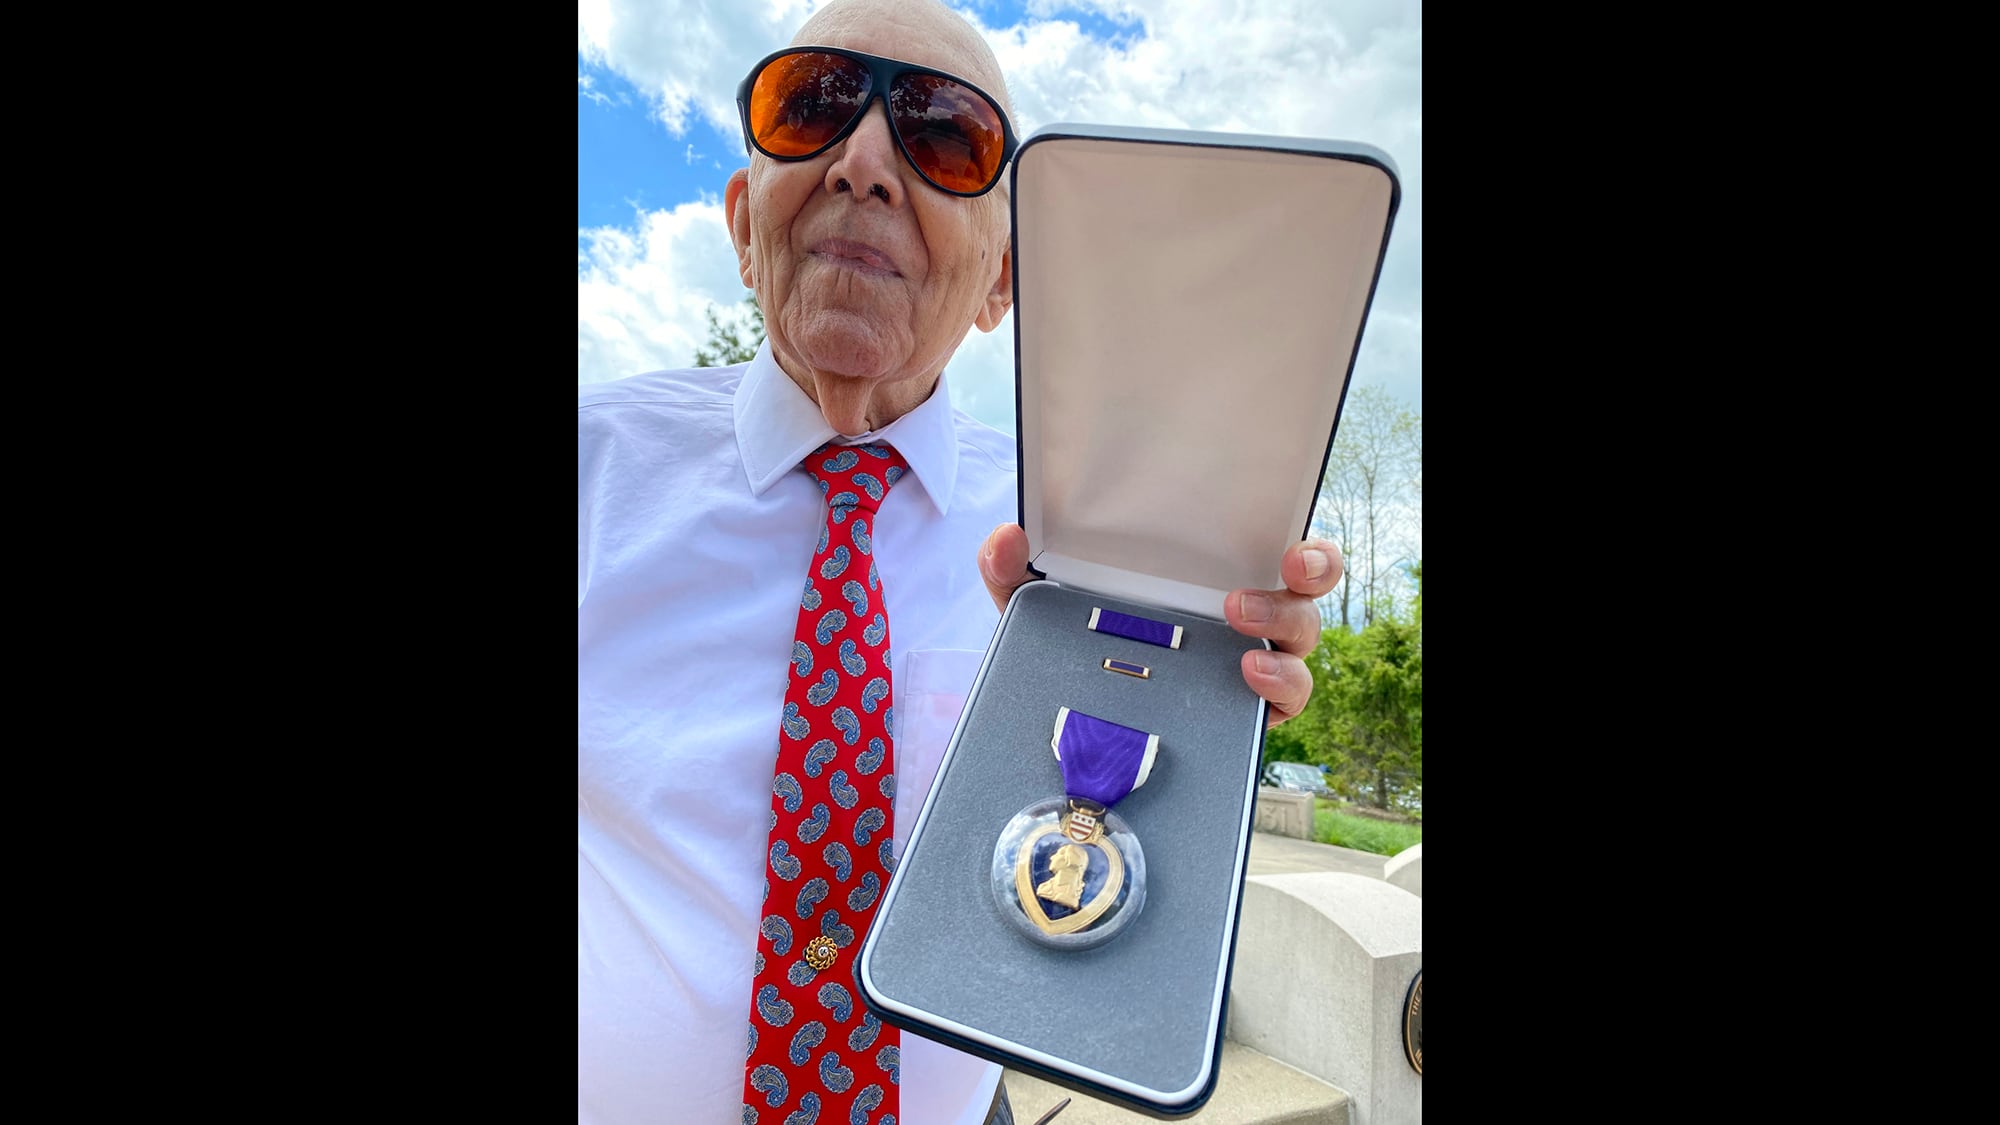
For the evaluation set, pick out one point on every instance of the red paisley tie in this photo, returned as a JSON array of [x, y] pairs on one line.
[[815, 1054]]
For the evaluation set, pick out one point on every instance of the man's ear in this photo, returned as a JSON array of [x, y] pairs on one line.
[[736, 210], [1001, 297]]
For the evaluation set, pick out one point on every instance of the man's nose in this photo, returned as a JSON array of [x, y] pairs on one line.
[[867, 163]]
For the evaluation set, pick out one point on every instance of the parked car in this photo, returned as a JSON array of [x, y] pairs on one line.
[[1297, 777]]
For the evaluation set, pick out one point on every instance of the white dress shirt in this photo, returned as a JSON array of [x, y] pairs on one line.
[[695, 526]]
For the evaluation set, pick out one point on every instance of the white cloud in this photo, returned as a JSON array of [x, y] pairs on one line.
[[686, 55], [641, 295], [1392, 351], [1341, 70], [642, 299]]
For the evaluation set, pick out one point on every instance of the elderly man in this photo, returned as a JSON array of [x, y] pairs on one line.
[[751, 746]]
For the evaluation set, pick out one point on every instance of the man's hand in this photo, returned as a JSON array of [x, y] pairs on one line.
[[1003, 563], [1287, 618]]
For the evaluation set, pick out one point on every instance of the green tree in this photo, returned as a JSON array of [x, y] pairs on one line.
[[1378, 696], [734, 342], [1307, 737], [1365, 719]]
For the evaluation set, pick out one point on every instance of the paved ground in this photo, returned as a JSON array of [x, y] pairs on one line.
[[1277, 855], [1250, 1089]]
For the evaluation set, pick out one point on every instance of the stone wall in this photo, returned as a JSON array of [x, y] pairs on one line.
[[1324, 963], [1284, 813]]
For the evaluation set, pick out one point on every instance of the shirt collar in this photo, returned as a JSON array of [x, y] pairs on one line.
[[777, 425]]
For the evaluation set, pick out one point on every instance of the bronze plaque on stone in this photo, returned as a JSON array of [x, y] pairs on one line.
[[1413, 1023]]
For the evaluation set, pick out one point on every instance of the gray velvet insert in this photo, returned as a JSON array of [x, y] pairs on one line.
[[1141, 1008]]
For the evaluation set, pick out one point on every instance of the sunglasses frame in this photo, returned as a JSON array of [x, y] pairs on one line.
[[882, 74]]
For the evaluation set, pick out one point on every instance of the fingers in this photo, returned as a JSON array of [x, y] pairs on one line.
[[1288, 618], [1312, 568], [1282, 679], [1003, 563]]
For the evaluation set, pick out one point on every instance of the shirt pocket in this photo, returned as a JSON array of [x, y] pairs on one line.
[[933, 688]]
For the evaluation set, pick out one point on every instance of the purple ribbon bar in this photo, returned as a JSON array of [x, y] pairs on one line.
[[1135, 628], [1101, 760]]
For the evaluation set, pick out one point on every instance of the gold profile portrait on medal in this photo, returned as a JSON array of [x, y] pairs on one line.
[[1068, 867], [1066, 885], [1068, 872]]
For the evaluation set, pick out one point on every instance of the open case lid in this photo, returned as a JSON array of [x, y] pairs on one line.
[[1187, 309]]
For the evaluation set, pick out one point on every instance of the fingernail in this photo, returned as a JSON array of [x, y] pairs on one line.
[[1316, 562], [1255, 607], [1266, 663]]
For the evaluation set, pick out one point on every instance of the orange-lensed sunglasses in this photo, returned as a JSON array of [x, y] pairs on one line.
[[802, 101]]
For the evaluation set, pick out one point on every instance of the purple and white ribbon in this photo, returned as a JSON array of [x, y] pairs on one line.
[[1135, 628], [1101, 760]]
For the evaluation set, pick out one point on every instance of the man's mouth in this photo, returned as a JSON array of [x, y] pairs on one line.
[[857, 256]]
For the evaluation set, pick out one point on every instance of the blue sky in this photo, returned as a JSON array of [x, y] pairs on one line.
[[626, 159], [657, 137]]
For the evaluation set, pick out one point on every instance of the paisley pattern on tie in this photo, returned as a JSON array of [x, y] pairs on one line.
[[844, 794], [860, 1039], [782, 865], [821, 753], [809, 1036], [829, 924], [865, 1104], [811, 895], [837, 858], [772, 1079], [786, 788], [814, 826], [863, 896], [866, 823], [829, 682], [836, 1000], [843, 720], [831, 830], [876, 691], [808, 1111]]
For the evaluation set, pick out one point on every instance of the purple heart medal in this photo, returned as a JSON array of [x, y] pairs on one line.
[[1067, 871]]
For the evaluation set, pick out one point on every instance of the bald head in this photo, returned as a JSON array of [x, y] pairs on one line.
[[868, 273], [921, 21]]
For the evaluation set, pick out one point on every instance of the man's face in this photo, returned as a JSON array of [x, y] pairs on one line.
[[868, 276]]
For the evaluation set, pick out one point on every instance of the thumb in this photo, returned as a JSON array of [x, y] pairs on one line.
[[1003, 563]]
